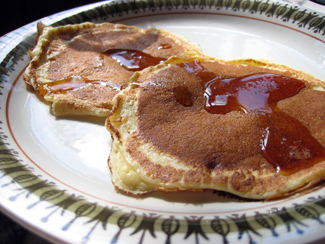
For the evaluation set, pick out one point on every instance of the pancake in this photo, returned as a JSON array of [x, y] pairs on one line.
[[172, 132], [80, 68]]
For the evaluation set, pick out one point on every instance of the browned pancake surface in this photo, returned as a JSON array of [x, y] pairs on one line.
[[77, 50], [221, 151], [210, 140]]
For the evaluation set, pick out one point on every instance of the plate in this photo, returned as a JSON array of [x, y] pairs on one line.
[[54, 177]]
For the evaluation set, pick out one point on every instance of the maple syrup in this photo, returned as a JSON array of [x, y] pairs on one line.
[[71, 83], [286, 143], [182, 95], [133, 60]]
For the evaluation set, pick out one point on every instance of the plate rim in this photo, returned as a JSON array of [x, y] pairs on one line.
[[62, 18]]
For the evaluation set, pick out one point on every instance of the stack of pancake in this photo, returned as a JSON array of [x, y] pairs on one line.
[[181, 120]]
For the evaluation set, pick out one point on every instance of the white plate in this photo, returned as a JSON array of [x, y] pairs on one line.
[[53, 174]]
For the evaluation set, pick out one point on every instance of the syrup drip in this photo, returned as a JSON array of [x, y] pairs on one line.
[[131, 60], [71, 83], [182, 95], [286, 143]]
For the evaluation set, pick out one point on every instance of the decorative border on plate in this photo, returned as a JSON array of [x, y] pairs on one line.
[[23, 176], [117, 9]]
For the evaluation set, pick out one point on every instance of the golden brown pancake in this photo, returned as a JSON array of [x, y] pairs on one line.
[[166, 137], [75, 69]]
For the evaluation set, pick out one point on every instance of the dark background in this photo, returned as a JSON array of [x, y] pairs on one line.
[[16, 13]]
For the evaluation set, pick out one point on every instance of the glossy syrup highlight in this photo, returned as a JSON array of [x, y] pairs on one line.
[[285, 143]]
